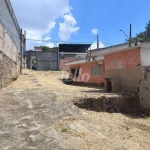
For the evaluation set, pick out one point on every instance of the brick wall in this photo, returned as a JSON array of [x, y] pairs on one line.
[[9, 44], [125, 80], [63, 61], [9, 59]]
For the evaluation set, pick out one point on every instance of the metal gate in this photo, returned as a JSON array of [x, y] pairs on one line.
[[46, 60]]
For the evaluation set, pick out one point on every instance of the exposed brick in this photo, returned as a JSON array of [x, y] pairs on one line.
[[9, 60]]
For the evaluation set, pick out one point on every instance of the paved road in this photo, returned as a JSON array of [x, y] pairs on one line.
[[25, 113]]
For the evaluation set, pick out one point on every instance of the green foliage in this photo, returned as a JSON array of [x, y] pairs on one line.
[[127, 128], [33, 61], [44, 48], [64, 130], [144, 35], [146, 117], [55, 49]]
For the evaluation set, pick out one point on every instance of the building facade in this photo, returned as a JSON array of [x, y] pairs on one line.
[[120, 68], [87, 72], [10, 44]]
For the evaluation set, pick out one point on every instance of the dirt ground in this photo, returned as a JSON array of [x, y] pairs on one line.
[[37, 113]]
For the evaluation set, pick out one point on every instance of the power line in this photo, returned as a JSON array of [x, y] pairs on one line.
[[54, 41], [62, 41], [73, 41]]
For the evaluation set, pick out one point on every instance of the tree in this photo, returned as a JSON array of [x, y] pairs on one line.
[[145, 35], [44, 48], [148, 30], [55, 49]]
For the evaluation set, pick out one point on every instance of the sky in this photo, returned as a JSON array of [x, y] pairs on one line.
[[51, 22]]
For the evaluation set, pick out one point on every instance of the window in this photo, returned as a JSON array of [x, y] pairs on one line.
[[96, 70], [75, 72]]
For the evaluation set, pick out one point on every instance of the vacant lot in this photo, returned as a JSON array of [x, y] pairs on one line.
[[37, 113]]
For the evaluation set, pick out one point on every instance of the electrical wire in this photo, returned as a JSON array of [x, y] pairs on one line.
[[54, 41]]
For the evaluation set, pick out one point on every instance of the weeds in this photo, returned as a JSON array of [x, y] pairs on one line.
[[64, 130]]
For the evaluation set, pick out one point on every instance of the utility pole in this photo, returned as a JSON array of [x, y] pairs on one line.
[[130, 37], [24, 49], [97, 42]]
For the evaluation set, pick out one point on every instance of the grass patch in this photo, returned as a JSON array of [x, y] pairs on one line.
[[64, 130]]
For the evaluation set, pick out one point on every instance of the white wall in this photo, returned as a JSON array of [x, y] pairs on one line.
[[81, 55], [7, 46], [145, 56]]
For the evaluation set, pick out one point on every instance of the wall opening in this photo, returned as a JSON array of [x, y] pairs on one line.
[[108, 85], [33, 63], [75, 72]]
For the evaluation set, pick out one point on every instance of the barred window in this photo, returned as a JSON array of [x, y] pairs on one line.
[[96, 70]]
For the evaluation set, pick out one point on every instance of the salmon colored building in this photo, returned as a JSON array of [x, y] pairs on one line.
[[113, 66], [120, 68], [87, 72], [123, 70], [66, 60]]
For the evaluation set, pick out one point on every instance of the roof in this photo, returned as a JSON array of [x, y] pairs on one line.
[[75, 48]]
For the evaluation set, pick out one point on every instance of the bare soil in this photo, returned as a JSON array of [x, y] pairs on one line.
[[37, 113]]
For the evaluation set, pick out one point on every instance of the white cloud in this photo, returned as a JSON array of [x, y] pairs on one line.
[[34, 34], [94, 31], [94, 45], [39, 18], [51, 45], [68, 27]]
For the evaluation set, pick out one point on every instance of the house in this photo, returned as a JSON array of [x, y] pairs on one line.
[[87, 71], [71, 52], [37, 48], [104, 64], [121, 68]]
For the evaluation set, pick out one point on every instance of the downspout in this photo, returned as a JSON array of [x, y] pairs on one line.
[[58, 59], [20, 50]]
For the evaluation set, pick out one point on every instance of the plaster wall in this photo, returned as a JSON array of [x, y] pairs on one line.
[[85, 75], [122, 60], [145, 56], [9, 44]]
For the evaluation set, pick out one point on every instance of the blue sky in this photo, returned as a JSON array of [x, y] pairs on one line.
[[74, 20]]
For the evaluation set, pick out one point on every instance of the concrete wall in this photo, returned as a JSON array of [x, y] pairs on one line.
[[122, 72], [9, 22], [125, 80], [9, 44], [144, 89], [45, 60], [85, 73]]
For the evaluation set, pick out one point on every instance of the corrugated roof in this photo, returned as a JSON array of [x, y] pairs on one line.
[[76, 48], [111, 46]]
